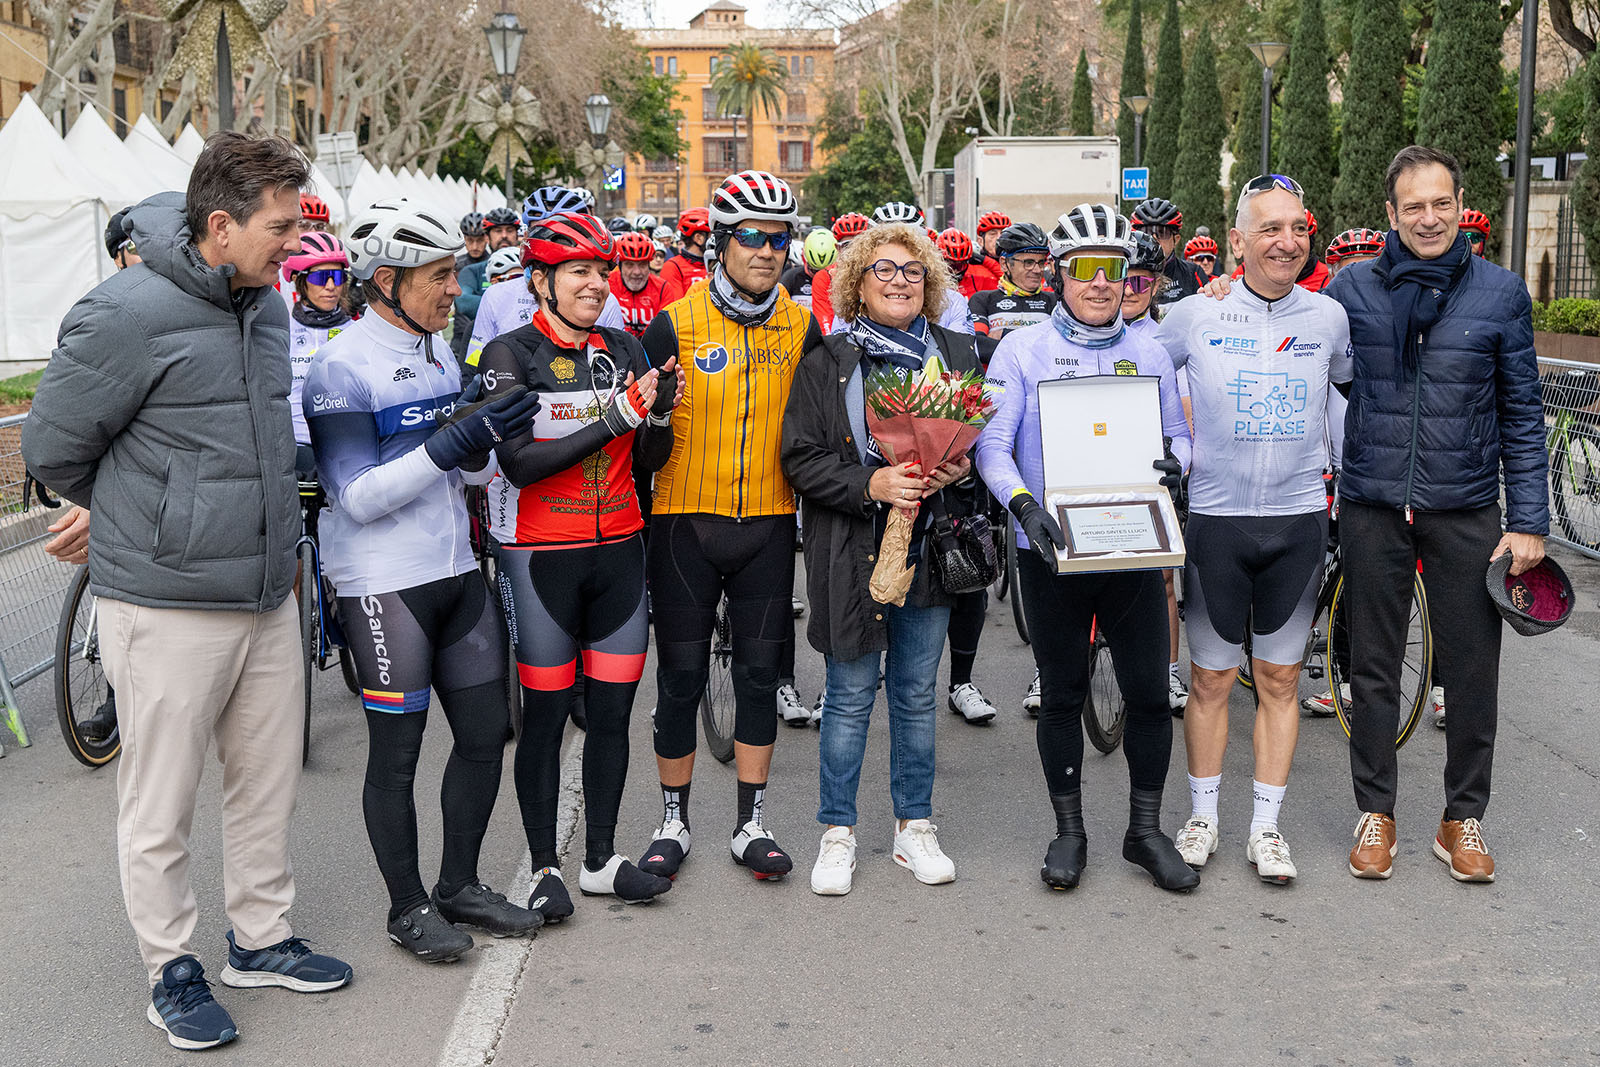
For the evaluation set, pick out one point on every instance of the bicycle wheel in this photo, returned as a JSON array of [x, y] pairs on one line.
[[1105, 713], [85, 708], [1416, 672], [1017, 614], [1575, 483], [1247, 676], [1002, 581], [716, 703], [310, 633]]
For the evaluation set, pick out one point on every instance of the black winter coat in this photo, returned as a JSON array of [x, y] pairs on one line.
[[822, 463]]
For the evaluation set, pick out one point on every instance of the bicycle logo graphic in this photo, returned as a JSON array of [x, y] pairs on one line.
[[1270, 399]]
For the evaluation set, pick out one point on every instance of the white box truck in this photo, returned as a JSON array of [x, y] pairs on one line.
[[1034, 179]]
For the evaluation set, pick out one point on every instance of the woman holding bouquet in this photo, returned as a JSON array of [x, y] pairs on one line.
[[1085, 335], [889, 286]]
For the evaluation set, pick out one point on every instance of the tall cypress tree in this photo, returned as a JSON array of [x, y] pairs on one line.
[[1586, 189], [1166, 105], [1457, 108], [1196, 181], [1374, 114], [1132, 80], [1306, 153], [1081, 119], [1247, 130]]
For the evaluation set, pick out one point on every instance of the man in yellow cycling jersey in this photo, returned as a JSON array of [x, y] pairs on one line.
[[723, 519]]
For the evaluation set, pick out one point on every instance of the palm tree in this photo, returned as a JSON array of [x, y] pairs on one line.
[[746, 76]]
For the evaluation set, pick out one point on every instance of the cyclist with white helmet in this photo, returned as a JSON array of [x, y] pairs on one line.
[[1022, 298], [722, 523], [899, 211], [817, 253], [1261, 361], [1085, 335], [503, 265], [317, 276], [645, 224], [955, 315], [395, 439]]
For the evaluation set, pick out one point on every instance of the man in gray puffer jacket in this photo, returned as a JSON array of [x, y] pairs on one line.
[[165, 410]]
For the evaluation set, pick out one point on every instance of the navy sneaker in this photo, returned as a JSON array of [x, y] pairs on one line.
[[290, 964], [182, 1005]]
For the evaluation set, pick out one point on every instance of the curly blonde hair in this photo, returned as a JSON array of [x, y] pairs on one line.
[[858, 258]]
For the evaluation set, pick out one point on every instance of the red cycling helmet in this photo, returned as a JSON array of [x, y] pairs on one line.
[[850, 224], [567, 236], [1200, 246], [955, 246], [313, 208], [1355, 243], [316, 249], [695, 220], [1476, 221], [1311, 223], [634, 247], [993, 220]]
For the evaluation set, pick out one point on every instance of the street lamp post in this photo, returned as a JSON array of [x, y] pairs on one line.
[[1138, 105], [1270, 54], [597, 113], [505, 36], [1523, 168]]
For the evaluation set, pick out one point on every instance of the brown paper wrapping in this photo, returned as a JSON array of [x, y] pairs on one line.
[[891, 578]]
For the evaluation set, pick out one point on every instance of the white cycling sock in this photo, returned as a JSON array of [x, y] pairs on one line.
[[1269, 801], [1203, 793]]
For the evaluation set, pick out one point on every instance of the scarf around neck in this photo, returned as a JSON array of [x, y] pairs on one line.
[[1081, 333], [1008, 287], [1419, 290], [729, 302], [905, 350], [308, 314]]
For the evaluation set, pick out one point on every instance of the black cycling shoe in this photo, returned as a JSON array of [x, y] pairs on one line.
[[550, 897], [478, 905], [429, 936], [1145, 845], [754, 848], [667, 852], [621, 879], [1069, 852]]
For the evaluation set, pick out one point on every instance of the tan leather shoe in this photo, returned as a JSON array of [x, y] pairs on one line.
[[1373, 856], [1459, 843]]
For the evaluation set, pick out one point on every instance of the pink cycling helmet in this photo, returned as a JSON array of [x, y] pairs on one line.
[[316, 248]]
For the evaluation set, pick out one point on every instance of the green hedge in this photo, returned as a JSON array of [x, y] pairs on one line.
[[1572, 315], [19, 389]]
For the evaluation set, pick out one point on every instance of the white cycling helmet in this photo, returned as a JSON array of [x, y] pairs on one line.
[[753, 194], [506, 259], [644, 223], [399, 233], [588, 197], [662, 235], [1091, 226], [899, 211]]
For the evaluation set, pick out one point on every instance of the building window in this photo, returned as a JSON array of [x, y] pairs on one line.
[[713, 66], [119, 107], [672, 66], [709, 106], [795, 107], [794, 66], [810, 66], [661, 65], [794, 156], [721, 154]]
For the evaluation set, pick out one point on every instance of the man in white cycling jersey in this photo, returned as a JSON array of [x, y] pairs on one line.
[[1260, 361]]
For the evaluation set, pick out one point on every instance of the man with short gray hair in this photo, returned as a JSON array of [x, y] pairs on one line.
[[165, 409]]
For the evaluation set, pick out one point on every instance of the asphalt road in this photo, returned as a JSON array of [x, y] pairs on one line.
[[993, 969]]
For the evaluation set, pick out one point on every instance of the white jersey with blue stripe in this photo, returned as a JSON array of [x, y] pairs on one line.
[[507, 305], [1259, 373], [394, 520]]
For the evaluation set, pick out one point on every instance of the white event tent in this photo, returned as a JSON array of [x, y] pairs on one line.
[[152, 150], [189, 143], [116, 175]]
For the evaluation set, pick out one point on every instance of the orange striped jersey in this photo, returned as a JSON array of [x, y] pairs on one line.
[[727, 430]]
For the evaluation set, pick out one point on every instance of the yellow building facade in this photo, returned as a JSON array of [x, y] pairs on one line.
[[782, 143]]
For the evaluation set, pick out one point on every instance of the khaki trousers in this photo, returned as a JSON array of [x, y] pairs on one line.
[[183, 677]]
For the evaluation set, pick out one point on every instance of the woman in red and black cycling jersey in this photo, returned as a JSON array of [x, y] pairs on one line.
[[567, 526]]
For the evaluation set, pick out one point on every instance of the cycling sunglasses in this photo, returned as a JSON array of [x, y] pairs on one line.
[[884, 270], [1139, 284], [1263, 182], [1084, 268], [325, 277], [751, 237], [129, 247]]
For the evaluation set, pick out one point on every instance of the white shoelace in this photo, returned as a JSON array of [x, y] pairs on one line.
[[835, 852], [1371, 831], [1197, 831], [1272, 849], [1472, 837], [921, 839]]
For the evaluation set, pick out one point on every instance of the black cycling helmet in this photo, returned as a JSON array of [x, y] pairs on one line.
[[1023, 237], [501, 216], [1157, 212], [1534, 602], [472, 224], [618, 224], [1147, 254], [117, 233]]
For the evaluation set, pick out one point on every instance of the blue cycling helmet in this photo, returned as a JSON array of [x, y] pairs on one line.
[[549, 200]]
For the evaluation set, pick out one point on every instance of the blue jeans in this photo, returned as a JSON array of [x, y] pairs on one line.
[[916, 641]]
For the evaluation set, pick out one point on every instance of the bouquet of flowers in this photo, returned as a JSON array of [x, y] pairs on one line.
[[926, 418]]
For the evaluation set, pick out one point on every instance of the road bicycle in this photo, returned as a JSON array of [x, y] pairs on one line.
[[477, 498], [1105, 713], [85, 708], [1005, 584], [1572, 438], [321, 640], [717, 702]]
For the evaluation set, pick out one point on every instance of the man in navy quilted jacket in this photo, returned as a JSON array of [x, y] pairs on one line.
[[1445, 397]]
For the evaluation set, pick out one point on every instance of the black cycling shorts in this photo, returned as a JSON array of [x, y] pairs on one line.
[[1260, 571]]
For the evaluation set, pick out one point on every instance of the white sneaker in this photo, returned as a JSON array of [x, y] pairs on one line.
[[620, 878], [1322, 706], [969, 702], [836, 863], [1177, 693], [1031, 702], [917, 850], [1198, 839], [790, 709], [1436, 701], [797, 605], [1268, 853], [816, 712]]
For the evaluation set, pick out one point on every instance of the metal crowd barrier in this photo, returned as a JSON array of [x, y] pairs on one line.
[[32, 584], [1571, 392]]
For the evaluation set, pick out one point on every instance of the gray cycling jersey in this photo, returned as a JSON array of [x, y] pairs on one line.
[[1259, 373]]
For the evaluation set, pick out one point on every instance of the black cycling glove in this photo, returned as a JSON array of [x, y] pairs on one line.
[[475, 427], [1042, 532], [1171, 470]]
